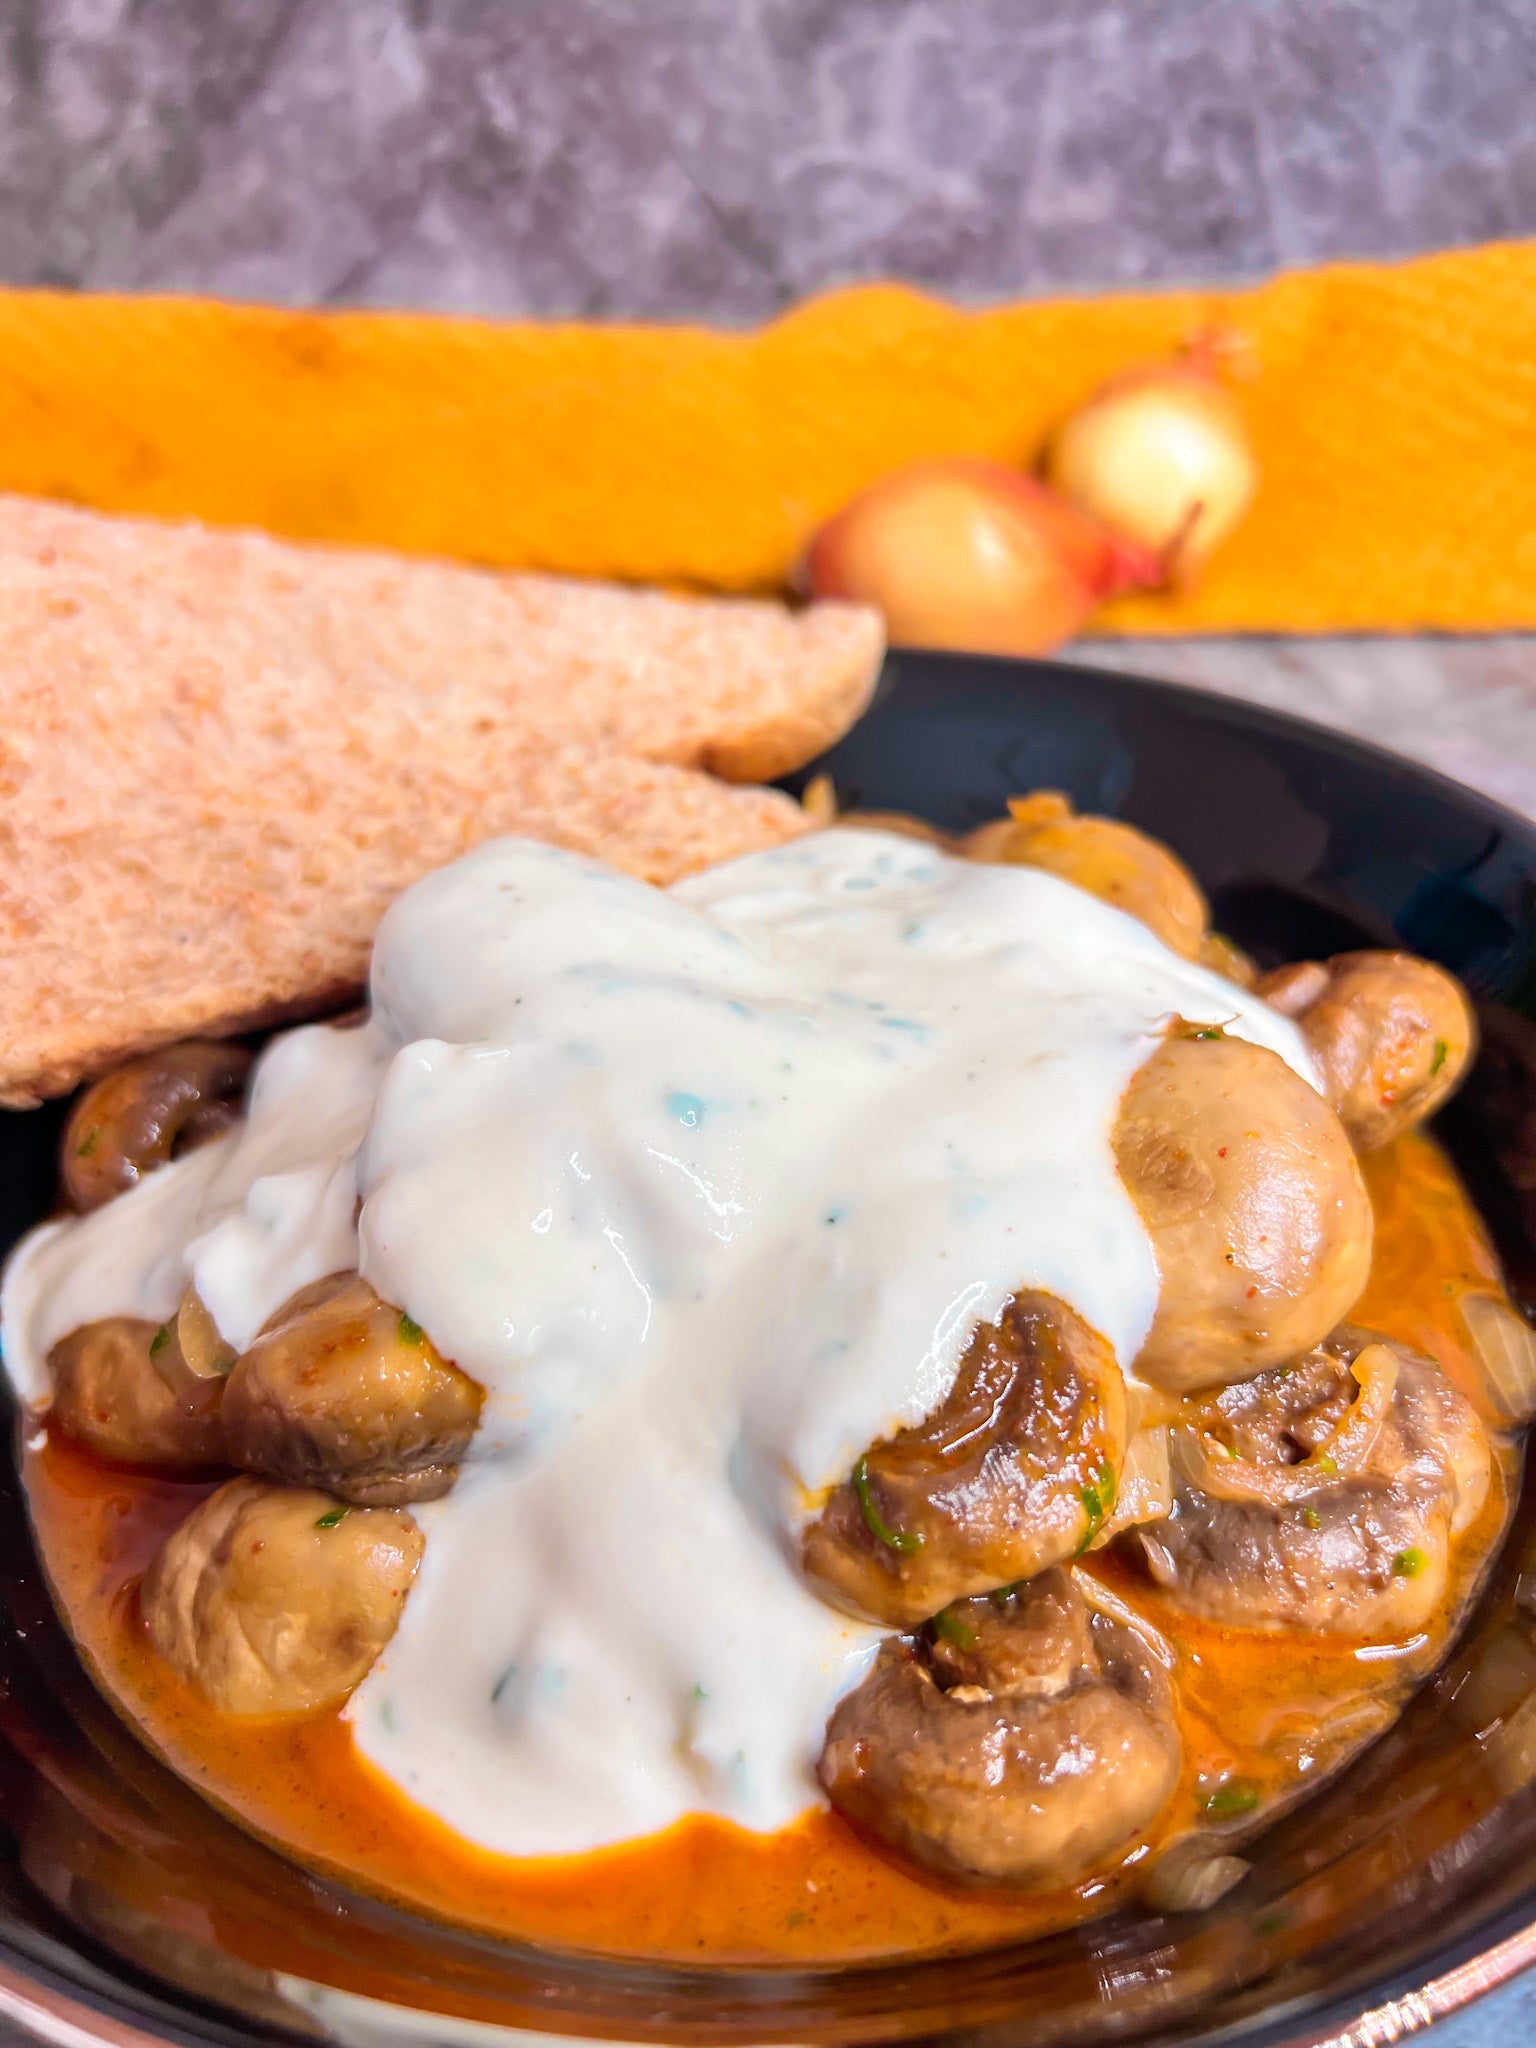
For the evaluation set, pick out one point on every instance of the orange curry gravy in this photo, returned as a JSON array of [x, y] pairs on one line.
[[1262, 1715]]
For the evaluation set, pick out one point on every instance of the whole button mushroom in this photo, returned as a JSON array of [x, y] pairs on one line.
[[1252, 1197], [1324, 1495], [1392, 1036], [140, 1115], [277, 1599], [123, 1387], [345, 1391], [1019, 1740], [1111, 860], [1015, 1469]]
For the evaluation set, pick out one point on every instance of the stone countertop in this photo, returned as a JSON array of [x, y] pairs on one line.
[[717, 159]]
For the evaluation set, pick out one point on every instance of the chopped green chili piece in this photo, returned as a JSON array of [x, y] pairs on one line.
[[1237, 1795], [904, 1540], [1324, 1463], [1441, 1049], [1097, 1498], [954, 1630], [409, 1331], [1001, 1595], [1408, 1564], [88, 1143], [160, 1339], [331, 1517], [1203, 1031], [1312, 1518]]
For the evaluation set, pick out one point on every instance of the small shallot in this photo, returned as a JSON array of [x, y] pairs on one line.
[[1161, 456], [968, 554]]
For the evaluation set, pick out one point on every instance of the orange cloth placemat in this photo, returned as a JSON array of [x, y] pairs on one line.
[[1393, 408]]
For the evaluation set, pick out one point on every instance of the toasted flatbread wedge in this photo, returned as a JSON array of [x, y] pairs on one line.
[[222, 755]]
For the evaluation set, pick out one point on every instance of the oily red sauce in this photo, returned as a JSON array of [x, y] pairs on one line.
[[1272, 1712]]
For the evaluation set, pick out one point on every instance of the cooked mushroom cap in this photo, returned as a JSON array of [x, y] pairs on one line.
[[123, 1389], [1013, 1471], [1363, 1551], [1042, 1747], [1250, 1191], [1392, 1036], [1116, 862], [137, 1116], [343, 1391], [274, 1599]]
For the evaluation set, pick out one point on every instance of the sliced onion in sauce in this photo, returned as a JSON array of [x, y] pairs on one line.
[[1506, 1350], [205, 1351], [1103, 1601], [1205, 1464], [1145, 1491], [818, 800], [1192, 1881]]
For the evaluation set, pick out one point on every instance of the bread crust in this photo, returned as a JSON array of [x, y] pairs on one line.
[[222, 756]]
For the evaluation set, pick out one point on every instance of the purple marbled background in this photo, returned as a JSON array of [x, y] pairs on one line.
[[718, 158]]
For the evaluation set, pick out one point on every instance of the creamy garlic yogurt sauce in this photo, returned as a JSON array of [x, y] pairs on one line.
[[708, 1188]]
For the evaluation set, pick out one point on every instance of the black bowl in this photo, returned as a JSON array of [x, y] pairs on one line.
[[130, 1912]]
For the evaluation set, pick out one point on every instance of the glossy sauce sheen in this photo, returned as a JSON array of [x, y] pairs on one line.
[[783, 1139], [1278, 1711]]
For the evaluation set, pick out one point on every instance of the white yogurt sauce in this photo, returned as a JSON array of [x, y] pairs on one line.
[[708, 1188]]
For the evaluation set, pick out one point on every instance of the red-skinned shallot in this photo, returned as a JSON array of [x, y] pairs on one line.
[[969, 554]]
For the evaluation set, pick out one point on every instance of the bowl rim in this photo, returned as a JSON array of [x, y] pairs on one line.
[[901, 663], [55, 2007]]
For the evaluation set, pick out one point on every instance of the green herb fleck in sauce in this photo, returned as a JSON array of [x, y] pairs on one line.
[[160, 1339], [1408, 1564], [903, 1540], [1237, 1795], [332, 1517], [1097, 1498], [1441, 1050], [88, 1144], [954, 1629], [408, 1330]]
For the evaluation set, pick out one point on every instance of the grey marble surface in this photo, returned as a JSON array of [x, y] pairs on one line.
[[719, 158]]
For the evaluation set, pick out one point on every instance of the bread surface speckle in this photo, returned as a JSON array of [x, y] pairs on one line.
[[221, 756]]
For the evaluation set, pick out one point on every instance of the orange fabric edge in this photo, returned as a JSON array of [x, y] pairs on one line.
[[1393, 408]]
